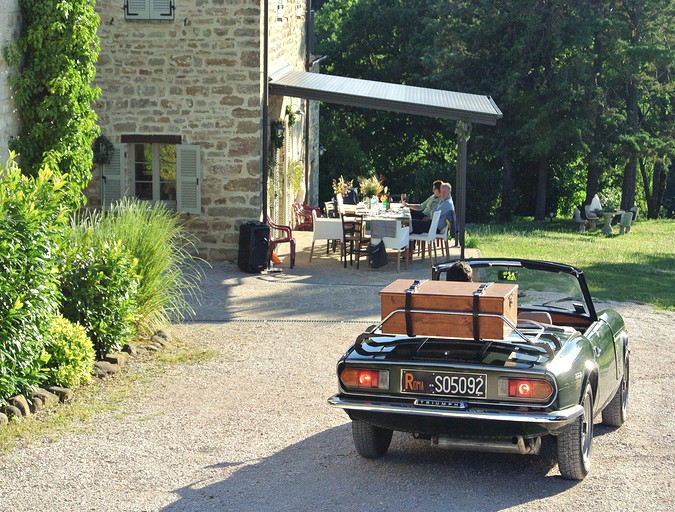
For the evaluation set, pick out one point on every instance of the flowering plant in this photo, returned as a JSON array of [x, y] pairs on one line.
[[370, 186], [341, 185], [610, 200]]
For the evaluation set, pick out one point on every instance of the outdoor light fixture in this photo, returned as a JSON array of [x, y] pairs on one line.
[[322, 150], [277, 134]]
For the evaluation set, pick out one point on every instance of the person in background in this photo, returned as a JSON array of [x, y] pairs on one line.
[[459, 271], [423, 209], [350, 196], [447, 209]]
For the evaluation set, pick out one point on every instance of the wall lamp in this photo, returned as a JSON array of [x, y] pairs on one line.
[[322, 150], [278, 131]]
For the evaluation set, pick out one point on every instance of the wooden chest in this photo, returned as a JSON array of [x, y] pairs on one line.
[[498, 298]]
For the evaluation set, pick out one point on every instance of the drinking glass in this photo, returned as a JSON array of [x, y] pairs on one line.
[[404, 198]]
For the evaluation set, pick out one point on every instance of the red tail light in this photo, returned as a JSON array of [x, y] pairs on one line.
[[535, 389], [364, 378]]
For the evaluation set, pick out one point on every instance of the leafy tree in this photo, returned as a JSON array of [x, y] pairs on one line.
[[54, 59], [585, 87]]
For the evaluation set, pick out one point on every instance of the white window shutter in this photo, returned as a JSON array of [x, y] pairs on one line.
[[188, 186], [161, 9], [113, 178], [137, 9]]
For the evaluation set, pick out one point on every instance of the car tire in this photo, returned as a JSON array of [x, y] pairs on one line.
[[370, 441], [575, 441], [614, 415]]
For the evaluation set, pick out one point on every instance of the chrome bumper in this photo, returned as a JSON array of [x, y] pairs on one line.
[[550, 418]]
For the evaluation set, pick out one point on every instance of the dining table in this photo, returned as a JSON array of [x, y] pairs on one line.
[[608, 216]]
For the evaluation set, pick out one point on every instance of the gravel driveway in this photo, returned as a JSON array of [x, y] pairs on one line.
[[250, 429]]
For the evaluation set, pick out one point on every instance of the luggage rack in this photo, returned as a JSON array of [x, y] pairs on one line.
[[539, 339]]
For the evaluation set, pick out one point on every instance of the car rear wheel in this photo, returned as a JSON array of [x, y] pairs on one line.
[[574, 442], [370, 441], [614, 415]]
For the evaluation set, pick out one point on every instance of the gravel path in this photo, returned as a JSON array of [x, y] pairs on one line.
[[249, 430]]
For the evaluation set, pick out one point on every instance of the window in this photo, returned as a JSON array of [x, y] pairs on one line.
[[149, 10], [153, 171]]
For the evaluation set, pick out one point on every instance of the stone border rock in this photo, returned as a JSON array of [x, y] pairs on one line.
[[49, 396]]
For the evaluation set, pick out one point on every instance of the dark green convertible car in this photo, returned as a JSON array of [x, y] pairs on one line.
[[553, 366]]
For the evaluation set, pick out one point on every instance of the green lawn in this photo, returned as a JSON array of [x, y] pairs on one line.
[[639, 266]]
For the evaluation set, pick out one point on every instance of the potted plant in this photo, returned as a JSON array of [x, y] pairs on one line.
[[370, 187], [341, 186]]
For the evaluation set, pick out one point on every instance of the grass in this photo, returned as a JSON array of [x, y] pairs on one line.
[[639, 266]]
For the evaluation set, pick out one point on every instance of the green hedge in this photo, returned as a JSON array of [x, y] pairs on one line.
[[99, 286], [31, 223], [71, 354]]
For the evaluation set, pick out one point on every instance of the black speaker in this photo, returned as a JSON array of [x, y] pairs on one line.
[[253, 247]]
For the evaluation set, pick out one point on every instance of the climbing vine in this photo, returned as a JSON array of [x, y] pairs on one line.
[[53, 65]]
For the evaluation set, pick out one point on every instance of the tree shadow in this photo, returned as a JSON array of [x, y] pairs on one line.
[[323, 472]]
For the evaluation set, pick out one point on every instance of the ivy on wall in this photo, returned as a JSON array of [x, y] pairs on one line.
[[53, 65]]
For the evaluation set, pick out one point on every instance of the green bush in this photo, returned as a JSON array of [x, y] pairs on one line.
[[100, 286], [31, 223], [169, 273], [71, 354], [53, 65]]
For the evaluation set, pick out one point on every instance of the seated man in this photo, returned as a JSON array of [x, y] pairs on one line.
[[419, 211], [447, 209]]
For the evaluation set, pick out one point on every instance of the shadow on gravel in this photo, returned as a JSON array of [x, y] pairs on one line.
[[324, 472]]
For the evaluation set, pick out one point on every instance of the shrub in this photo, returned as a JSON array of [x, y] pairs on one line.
[[169, 273], [99, 286], [31, 223], [71, 354], [54, 67]]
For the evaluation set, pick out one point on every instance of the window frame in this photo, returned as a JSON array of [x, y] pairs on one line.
[[149, 10]]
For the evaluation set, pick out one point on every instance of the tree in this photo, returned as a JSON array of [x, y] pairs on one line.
[[54, 60]]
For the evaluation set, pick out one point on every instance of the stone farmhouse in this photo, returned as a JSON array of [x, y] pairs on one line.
[[212, 107], [185, 104]]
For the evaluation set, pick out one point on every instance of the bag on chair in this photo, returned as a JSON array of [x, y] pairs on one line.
[[377, 254]]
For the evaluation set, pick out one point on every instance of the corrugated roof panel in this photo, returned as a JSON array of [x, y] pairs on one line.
[[385, 96]]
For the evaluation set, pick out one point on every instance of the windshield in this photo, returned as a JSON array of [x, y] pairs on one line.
[[537, 288]]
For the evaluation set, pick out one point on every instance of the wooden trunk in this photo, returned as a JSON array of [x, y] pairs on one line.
[[497, 298]]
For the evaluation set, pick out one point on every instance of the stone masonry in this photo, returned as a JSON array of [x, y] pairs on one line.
[[200, 77], [10, 24]]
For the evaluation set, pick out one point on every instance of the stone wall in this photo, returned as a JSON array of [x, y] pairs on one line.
[[199, 76], [10, 25]]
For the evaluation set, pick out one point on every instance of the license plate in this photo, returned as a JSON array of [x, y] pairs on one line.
[[464, 385]]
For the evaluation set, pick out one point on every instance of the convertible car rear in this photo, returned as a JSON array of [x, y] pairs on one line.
[[497, 364]]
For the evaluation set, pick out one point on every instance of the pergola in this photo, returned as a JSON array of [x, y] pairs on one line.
[[464, 108]]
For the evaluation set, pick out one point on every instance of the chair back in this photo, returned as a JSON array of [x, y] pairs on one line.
[[577, 215], [340, 204], [590, 214], [352, 226], [634, 211], [326, 229], [626, 219]]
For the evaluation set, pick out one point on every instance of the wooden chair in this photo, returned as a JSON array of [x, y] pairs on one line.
[[280, 234], [353, 239]]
